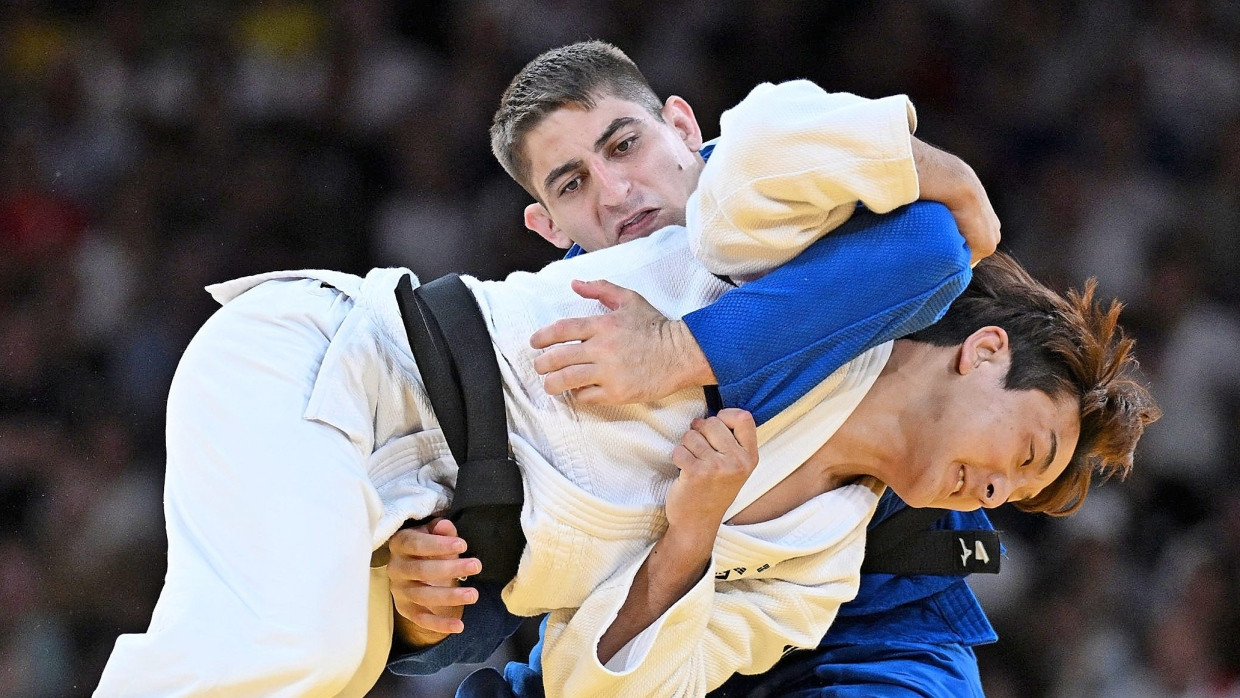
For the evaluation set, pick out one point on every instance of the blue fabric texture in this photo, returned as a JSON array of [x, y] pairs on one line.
[[891, 596], [901, 636], [873, 279], [525, 679]]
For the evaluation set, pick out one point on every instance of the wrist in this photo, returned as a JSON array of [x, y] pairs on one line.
[[691, 363], [691, 541], [941, 176]]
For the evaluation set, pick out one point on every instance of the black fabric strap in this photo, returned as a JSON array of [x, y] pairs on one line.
[[714, 400], [450, 304], [435, 364], [453, 350], [903, 545], [488, 482], [898, 527]]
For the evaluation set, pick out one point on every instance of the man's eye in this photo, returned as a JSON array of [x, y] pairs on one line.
[[626, 145], [571, 185]]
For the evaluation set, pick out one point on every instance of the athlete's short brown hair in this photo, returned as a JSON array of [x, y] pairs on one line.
[[576, 75], [1065, 346]]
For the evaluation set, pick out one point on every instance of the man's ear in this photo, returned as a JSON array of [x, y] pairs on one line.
[[679, 115], [539, 220], [987, 345]]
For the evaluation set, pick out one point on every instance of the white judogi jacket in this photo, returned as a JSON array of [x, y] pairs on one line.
[[596, 477]]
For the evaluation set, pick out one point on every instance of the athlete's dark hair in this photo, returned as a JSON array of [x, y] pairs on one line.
[[1064, 346]]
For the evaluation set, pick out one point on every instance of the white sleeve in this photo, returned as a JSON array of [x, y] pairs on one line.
[[791, 163], [715, 630]]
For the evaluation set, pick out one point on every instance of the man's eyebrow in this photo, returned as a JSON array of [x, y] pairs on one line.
[[615, 125], [1050, 455], [560, 172]]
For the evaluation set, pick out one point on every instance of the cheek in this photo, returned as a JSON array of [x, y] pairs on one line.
[[920, 483], [674, 176]]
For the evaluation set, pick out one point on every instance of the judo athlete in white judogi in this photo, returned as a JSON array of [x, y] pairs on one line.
[[300, 439]]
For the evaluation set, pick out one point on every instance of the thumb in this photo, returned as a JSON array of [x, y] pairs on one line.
[[443, 527], [742, 424], [603, 291]]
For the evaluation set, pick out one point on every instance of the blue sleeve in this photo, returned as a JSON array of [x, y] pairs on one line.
[[487, 624], [873, 279]]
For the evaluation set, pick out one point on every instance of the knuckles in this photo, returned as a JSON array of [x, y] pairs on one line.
[[403, 540]]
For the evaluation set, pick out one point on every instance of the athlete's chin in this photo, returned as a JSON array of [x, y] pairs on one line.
[[948, 503], [924, 495], [915, 497]]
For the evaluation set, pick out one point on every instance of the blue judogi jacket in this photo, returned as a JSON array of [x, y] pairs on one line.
[[886, 277]]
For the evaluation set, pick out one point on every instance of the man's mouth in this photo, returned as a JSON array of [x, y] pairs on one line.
[[959, 480], [638, 225]]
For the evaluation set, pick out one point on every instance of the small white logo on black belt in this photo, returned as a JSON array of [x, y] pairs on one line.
[[978, 549]]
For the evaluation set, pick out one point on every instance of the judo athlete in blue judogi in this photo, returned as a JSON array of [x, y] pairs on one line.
[[609, 177]]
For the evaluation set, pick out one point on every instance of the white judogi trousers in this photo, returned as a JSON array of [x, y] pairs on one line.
[[235, 620]]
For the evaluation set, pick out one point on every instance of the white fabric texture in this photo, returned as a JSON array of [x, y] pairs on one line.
[[299, 439], [792, 161], [269, 515]]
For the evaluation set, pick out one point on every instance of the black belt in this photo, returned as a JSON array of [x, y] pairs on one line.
[[902, 544], [453, 350]]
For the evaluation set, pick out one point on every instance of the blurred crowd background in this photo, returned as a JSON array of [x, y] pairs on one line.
[[150, 148]]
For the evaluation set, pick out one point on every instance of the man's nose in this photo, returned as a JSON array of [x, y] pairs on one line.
[[994, 490], [613, 185]]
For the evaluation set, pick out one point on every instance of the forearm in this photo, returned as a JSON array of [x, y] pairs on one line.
[[943, 177], [689, 367], [791, 163], [877, 278], [715, 630], [947, 179], [675, 564]]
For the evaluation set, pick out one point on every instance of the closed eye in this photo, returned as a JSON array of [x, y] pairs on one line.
[[1030, 458]]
